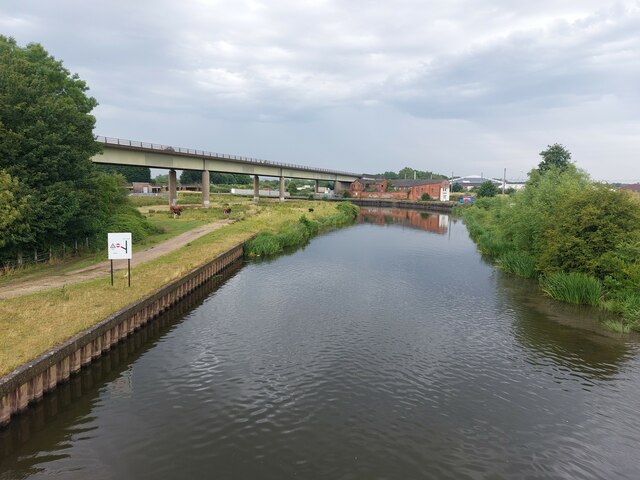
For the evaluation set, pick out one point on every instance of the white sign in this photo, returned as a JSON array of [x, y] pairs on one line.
[[119, 246]]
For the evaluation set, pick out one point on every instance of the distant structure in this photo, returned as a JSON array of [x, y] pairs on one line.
[[400, 189], [474, 181], [632, 187]]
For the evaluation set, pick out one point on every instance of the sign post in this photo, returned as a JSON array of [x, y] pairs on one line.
[[119, 247]]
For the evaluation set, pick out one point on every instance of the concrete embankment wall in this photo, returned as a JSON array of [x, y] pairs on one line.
[[31, 381]]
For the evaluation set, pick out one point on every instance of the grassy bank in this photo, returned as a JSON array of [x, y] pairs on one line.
[[156, 215], [581, 241], [32, 324]]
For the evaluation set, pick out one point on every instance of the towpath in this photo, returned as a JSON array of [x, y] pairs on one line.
[[25, 287]]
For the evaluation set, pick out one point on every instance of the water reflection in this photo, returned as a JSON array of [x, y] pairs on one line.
[[570, 336], [43, 433], [428, 221]]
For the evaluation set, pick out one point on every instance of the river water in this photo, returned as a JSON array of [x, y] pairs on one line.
[[389, 349]]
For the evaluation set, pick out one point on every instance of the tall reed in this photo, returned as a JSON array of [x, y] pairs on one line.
[[574, 287]]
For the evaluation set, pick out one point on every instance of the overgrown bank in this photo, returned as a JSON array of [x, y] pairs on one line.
[[35, 323], [579, 238], [299, 233]]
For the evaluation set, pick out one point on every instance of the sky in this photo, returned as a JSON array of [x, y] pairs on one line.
[[457, 87]]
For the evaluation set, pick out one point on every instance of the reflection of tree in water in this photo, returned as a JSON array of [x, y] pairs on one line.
[[427, 221], [570, 336], [49, 425]]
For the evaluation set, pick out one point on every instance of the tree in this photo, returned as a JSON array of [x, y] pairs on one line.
[[46, 143], [130, 173], [13, 211], [191, 177], [292, 188], [554, 156], [162, 179], [425, 197], [456, 187], [487, 189]]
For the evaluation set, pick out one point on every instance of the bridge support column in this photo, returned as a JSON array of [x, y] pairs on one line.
[[205, 188], [256, 188], [173, 193], [341, 187], [317, 190], [282, 189]]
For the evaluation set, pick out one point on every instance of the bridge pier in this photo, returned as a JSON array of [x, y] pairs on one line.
[[205, 188], [256, 188], [281, 188], [340, 187], [173, 192], [317, 190]]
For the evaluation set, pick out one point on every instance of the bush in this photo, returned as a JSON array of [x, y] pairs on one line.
[[574, 287], [346, 194], [425, 197]]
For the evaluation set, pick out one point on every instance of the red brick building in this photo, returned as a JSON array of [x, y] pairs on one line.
[[401, 189]]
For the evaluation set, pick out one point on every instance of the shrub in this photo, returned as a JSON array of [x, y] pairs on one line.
[[574, 287], [346, 194], [425, 197]]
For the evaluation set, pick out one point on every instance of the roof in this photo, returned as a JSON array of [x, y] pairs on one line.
[[415, 183], [634, 187], [474, 180]]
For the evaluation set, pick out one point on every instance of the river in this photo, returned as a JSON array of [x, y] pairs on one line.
[[390, 349]]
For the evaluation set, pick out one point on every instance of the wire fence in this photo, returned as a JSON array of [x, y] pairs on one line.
[[52, 253]]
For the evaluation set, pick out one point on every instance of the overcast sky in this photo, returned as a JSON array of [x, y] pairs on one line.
[[462, 86]]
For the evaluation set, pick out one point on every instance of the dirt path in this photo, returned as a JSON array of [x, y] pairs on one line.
[[25, 287]]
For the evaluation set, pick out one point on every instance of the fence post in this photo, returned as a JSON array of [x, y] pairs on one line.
[[35, 255], [50, 255], [64, 250], [75, 250]]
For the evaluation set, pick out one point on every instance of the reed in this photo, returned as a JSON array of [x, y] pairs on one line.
[[519, 263], [574, 287]]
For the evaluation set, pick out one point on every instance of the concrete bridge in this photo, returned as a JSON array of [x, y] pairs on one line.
[[131, 153]]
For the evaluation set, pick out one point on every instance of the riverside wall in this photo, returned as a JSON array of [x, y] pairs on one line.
[[30, 382]]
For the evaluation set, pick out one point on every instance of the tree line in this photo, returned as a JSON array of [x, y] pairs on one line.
[[409, 173], [50, 191]]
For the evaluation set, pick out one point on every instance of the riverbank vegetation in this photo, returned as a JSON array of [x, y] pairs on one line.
[[32, 324], [579, 238], [298, 233]]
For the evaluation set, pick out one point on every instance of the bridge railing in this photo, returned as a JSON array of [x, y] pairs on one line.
[[201, 153]]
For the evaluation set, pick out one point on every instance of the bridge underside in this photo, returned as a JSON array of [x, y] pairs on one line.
[[168, 159]]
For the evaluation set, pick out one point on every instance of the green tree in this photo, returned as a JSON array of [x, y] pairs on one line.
[[292, 188], [555, 155], [487, 189], [162, 179], [130, 173], [13, 211], [191, 177], [46, 143], [456, 187]]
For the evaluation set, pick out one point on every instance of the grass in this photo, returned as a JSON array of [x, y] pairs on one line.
[[299, 233], [574, 287], [519, 263], [32, 324], [158, 216]]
